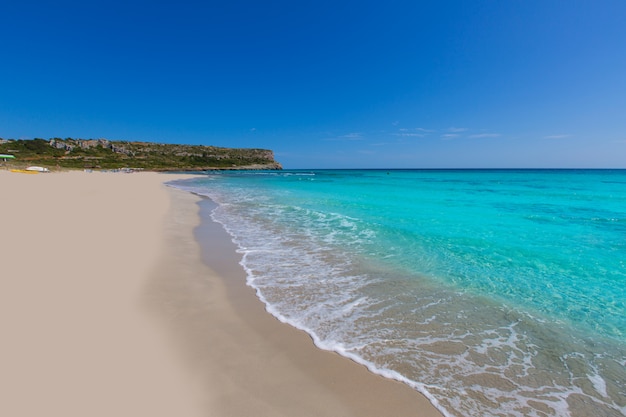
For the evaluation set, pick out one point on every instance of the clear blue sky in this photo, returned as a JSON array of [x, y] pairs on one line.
[[326, 84]]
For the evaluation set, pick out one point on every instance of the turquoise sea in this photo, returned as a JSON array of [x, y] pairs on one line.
[[493, 292]]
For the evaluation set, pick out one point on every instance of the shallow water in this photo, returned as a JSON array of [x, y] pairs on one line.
[[495, 293]]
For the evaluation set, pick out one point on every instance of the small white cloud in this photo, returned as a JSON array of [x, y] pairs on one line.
[[557, 136], [395, 123], [347, 137], [417, 132], [409, 134], [253, 129], [352, 136], [449, 136], [457, 129], [484, 135]]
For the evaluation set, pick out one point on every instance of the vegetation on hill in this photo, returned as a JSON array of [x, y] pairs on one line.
[[104, 154]]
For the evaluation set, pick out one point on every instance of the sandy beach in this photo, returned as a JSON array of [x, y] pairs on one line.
[[109, 306]]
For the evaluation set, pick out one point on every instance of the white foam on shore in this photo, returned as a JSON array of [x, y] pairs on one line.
[[598, 382]]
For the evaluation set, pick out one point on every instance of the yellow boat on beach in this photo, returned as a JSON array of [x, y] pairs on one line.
[[24, 171]]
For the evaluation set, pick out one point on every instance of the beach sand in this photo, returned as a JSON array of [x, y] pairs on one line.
[[108, 306]]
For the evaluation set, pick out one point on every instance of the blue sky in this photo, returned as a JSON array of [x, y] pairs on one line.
[[326, 84]]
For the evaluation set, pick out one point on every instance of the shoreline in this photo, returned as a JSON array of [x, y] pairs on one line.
[[276, 367], [111, 306]]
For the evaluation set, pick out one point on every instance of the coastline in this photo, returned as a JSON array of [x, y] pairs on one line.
[[251, 362], [111, 306]]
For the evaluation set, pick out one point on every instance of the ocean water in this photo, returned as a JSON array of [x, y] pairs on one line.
[[493, 292]]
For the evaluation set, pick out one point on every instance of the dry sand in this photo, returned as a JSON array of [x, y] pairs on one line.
[[107, 308]]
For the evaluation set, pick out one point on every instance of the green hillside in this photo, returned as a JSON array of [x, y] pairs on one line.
[[104, 154]]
